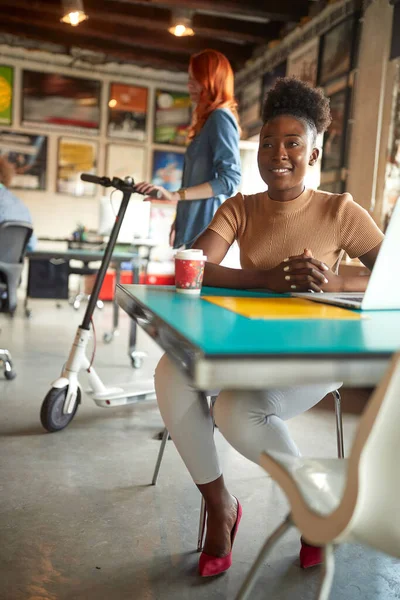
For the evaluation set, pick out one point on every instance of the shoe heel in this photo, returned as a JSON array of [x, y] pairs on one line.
[[310, 556], [210, 566]]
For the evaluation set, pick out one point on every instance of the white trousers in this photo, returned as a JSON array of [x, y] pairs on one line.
[[251, 421]]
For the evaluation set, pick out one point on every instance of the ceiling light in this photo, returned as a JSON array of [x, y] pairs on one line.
[[181, 26], [74, 13]]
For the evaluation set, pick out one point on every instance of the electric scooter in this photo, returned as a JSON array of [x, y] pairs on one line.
[[61, 402]]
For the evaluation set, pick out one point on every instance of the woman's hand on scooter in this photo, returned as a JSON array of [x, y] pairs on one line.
[[157, 192]]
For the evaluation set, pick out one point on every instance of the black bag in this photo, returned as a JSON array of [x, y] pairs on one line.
[[48, 278]]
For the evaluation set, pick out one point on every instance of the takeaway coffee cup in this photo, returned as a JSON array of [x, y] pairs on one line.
[[189, 270]]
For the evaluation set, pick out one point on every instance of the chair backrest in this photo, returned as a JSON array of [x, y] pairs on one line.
[[374, 470], [14, 238]]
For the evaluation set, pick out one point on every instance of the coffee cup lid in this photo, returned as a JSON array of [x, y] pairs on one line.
[[191, 254]]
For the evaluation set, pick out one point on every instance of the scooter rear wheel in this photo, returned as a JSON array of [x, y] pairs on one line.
[[52, 416]]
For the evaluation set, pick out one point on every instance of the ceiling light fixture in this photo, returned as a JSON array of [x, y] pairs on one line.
[[181, 24], [74, 13]]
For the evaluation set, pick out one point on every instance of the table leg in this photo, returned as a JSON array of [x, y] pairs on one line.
[[109, 336], [116, 307], [27, 310], [136, 356]]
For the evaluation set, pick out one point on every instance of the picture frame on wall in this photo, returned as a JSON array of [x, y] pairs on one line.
[[127, 112], [6, 94], [167, 169], [336, 51], [57, 100], [333, 154], [76, 156], [269, 80], [125, 160], [28, 154], [172, 117], [249, 100], [303, 62]]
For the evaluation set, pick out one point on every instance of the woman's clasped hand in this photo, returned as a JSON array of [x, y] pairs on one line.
[[303, 273]]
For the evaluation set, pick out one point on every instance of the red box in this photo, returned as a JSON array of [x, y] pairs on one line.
[[108, 287]]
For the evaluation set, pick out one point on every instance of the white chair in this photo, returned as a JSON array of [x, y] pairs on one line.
[[211, 400], [355, 500]]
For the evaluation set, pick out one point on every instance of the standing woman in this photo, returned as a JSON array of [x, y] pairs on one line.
[[212, 162]]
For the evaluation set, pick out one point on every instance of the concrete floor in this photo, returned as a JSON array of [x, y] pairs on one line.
[[78, 518]]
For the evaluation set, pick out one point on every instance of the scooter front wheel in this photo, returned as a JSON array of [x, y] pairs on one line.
[[52, 415]]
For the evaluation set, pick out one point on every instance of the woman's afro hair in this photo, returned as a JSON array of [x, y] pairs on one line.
[[290, 96]]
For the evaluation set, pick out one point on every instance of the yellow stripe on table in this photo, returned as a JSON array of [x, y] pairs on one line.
[[281, 308]]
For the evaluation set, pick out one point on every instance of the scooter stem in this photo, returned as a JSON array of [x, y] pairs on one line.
[[106, 261]]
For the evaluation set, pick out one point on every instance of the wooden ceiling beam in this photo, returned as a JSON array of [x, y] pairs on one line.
[[276, 10], [254, 33], [128, 36], [100, 10], [157, 60], [205, 25]]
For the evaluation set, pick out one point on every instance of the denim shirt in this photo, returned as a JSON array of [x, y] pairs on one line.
[[13, 209], [211, 157]]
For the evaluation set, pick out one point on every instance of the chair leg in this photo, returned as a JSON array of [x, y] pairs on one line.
[[339, 423], [328, 572], [248, 585], [160, 456]]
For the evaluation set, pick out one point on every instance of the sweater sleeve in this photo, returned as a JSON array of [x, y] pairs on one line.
[[358, 231], [224, 145], [228, 221]]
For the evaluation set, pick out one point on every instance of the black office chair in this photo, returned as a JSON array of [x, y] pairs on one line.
[[14, 238]]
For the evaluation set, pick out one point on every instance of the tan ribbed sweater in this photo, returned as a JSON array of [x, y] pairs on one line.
[[268, 231]]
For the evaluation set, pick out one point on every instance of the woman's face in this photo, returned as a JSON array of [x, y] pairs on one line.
[[194, 88], [284, 153]]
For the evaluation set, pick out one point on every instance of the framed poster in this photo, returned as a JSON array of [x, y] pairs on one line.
[[127, 112], [172, 117], [167, 169], [28, 153], [76, 156], [6, 94], [395, 44], [269, 80], [334, 139], [336, 51], [124, 160], [249, 99], [303, 62], [56, 99]]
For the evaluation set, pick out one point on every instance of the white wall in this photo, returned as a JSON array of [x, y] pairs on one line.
[[58, 214]]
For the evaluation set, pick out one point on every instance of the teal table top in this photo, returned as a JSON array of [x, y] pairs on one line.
[[217, 332]]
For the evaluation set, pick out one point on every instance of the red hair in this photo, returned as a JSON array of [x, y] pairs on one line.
[[213, 72]]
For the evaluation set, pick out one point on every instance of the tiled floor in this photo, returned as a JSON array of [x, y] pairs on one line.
[[78, 518]]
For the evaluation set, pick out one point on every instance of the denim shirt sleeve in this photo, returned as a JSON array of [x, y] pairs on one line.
[[224, 143]]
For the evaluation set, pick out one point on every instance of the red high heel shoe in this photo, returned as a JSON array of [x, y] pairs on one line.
[[214, 565], [310, 556]]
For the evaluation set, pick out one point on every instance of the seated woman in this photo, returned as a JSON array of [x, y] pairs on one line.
[[11, 207], [290, 238]]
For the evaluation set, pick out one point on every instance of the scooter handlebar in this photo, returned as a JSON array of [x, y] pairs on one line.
[[104, 181], [117, 183]]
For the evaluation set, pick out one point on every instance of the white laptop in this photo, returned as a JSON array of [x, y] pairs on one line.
[[383, 290]]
